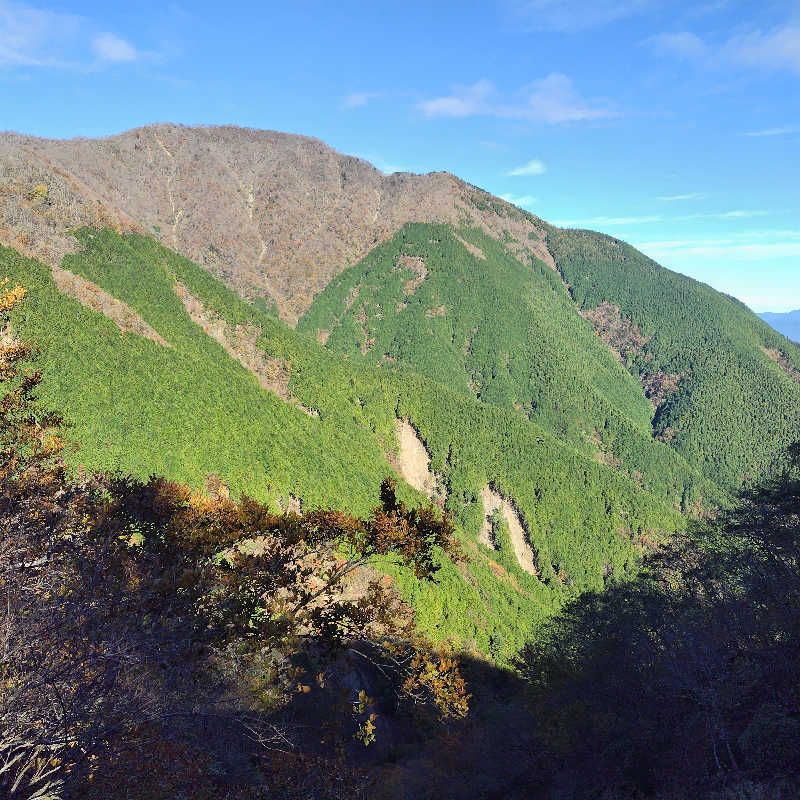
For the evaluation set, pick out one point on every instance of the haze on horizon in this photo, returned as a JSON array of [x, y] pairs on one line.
[[674, 126]]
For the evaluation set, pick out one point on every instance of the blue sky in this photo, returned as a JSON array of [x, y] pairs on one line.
[[673, 125]]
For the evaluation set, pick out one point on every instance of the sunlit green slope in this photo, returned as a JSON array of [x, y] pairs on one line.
[[738, 401], [459, 308], [189, 409]]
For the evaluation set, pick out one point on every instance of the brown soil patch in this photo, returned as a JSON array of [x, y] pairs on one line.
[[782, 360], [417, 267], [413, 461], [621, 335], [660, 385], [467, 349], [498, 570], [438, 311], [625, 339], [241, 342], [476, 251], [520, 541], [491, 502], [368, 342], [294, 505], [352, 297], [94, 298]]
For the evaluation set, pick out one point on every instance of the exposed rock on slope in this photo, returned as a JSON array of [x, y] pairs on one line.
[[274, 215], [241, 343], [413, 461], [493, 502], [92, 296]]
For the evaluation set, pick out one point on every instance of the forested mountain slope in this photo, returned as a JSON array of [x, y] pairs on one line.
[[316, 426], [555, 376], [733, 383], [652, 359], [461, 309]]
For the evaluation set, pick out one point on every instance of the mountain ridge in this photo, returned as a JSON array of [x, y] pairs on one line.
[[787, 323], [211, 192]]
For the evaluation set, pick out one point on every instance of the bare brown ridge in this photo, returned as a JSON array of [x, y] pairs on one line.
[[274, 215]]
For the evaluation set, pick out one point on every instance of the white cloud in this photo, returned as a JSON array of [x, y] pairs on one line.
[[775, 131], [740, 245], [608, 221], [729, 248], [31, 37], [737, 214], [775, 49], [463, 102], [533, 167], [735, 238], [684, 45], [521, 200], [671, 198], [552, 99], [643, 220], [108, 47], [570, 16], [358, 99], [707, 8]]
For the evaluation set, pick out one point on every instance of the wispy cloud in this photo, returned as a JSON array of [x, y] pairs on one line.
[[774, 49], [737, 214], [684, 45], [579, 223], [359, 99], [521, 200], [32, 37], [788, 129], [672, 198], [650, 218], [533, 167], [738, 253], [570, 16], [464, 101], [552, 99], [704, 9], [108, 47], [737, 248]]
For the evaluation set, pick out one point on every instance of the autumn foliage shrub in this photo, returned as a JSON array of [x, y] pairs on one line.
[[138, 613]]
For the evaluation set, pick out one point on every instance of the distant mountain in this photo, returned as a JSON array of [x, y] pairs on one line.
[[788, 324]]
